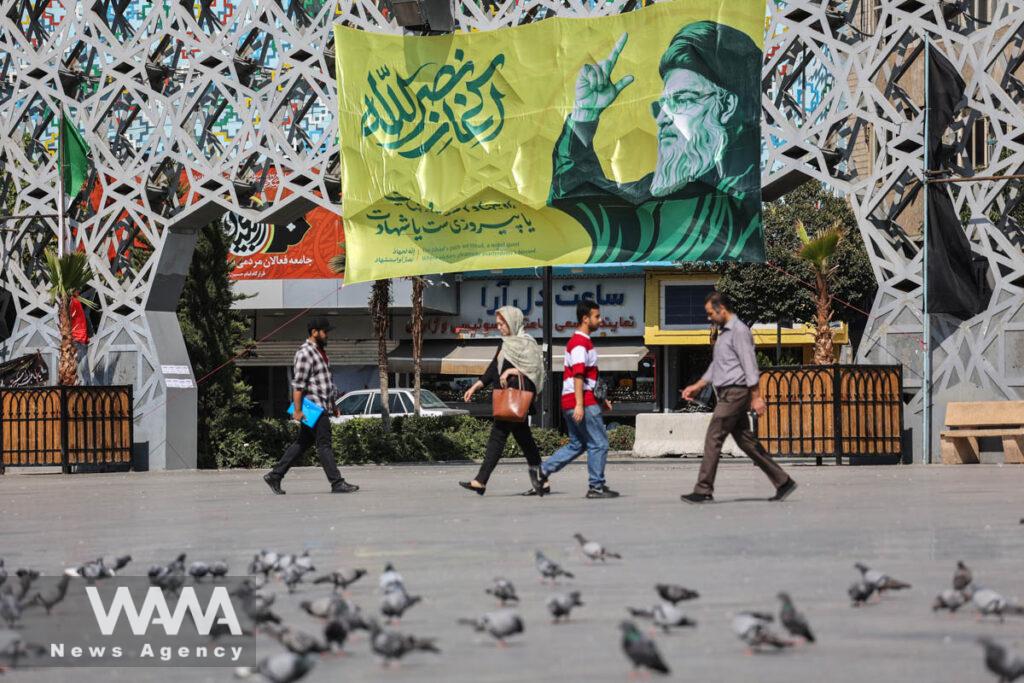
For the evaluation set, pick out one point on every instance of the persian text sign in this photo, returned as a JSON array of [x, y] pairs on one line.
[[630, 138]]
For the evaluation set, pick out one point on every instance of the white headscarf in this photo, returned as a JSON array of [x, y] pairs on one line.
[[520, 349]]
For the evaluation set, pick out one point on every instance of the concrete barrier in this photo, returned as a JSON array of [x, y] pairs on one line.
[[659, 434]]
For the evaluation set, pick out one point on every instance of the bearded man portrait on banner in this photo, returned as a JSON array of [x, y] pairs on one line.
[[702, 200]]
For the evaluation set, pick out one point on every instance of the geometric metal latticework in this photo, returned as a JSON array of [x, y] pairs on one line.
[[201, 107]]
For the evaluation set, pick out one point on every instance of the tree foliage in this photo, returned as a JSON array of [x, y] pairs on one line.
[[214, 333], [773, 291]]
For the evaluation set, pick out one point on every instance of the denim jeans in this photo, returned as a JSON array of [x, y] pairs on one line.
[[588, 435]]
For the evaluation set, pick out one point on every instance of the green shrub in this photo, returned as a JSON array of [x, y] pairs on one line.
[[621, 438], [548, 441]]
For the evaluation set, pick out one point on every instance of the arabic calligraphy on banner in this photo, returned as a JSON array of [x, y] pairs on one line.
[[628, 138], [433, 106], [621, 302]]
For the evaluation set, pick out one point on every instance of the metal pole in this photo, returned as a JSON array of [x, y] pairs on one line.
[[926, 324], [778, 342], [60, 188], [546, 415]]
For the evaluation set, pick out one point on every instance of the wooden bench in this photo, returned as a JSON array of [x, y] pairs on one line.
[[968, 422]]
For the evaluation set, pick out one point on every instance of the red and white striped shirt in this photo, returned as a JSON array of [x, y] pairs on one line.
[[580, 361]]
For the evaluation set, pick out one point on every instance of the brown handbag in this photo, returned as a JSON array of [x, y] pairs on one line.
[[511, 405]]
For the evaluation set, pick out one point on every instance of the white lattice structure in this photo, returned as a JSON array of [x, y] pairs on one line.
[[194, 109]]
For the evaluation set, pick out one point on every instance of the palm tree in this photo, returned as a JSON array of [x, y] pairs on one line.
[[418, 284], [68, 275], [819, 252]]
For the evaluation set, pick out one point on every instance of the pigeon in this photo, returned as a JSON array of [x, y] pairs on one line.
[[998, 661], [950, 599], [987, 602], [504, 591], [792, 620], [675, 593], [168, 581], [323, 608], [860, 592], [10, 607], [263, 562], [881, 582], [299, 642], [391, 646], [335, 634], [500, 624], [641, 650], [91, 571], [595, 551], [561, 604], [391, 580], [178, 564], [26, 577], [341, 578], [962, 577], [13, 647], [218, 569], [257, 608], [3, 572], [197, 570], [395, 603], [754, 630], [292, 576], [665, 616], [549, 569], [283, 667], [304, 562], [53, 596], [116, 562]]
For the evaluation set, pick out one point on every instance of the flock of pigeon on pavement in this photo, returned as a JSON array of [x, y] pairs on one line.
[[341, 617]]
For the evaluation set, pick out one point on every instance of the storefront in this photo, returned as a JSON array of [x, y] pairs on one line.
[[458, 348], [676, 329]]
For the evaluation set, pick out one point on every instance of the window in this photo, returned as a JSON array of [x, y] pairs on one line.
[[682, 305], [977, 147], [395, 406], [354, 404], [429, 399]]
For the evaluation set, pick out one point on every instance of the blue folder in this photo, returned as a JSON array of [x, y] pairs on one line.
[[311, 412]]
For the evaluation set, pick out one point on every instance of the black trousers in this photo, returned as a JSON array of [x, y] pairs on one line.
[[320, 434], [500, 429]]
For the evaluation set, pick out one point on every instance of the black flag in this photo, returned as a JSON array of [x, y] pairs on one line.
[[956, 285], [945, 94]]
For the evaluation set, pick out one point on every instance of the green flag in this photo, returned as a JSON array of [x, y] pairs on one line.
[[73, 155]]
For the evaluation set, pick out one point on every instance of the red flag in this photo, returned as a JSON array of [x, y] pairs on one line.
[[79, 327]]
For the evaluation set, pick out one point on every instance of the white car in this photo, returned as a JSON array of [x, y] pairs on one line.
[[366, 403]]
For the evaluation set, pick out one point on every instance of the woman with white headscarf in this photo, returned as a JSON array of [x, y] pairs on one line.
[[519, 364]]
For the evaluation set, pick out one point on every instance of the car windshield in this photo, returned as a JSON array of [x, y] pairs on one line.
[[428, 399]]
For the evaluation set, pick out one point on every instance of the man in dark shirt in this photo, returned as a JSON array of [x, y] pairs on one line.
[[734, 375], [312, 379]]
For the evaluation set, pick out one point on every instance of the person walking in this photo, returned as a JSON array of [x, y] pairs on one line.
[[312, 380], [519, 364], [733, 374], [581, 408]]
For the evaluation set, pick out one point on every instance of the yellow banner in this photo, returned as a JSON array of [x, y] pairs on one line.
[[629, 138]]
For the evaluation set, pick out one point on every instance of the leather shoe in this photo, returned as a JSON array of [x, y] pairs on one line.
[[274, 483], [538, 480], [344, 487], [697, 498], [468, 485], [601, 492], [783, 491]]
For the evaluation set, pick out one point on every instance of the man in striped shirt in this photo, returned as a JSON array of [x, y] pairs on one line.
[[581, 408]]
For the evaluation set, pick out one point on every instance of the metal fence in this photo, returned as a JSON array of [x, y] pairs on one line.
[[851, 411], [71, 427]]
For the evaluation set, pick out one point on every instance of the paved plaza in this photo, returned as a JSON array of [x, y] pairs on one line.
[[914, 522]]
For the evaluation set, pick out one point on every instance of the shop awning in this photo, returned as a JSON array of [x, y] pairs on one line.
[[341, 352], [610, 357], [460, 358], [444, 358]]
